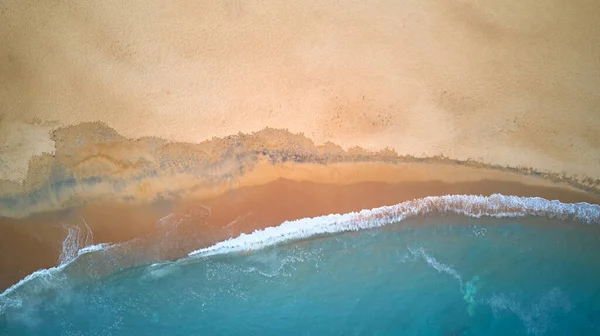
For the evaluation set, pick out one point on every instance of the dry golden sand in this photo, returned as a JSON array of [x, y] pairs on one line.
[[512, 83], [125, 112]]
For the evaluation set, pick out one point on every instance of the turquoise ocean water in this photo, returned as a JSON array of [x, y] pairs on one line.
[[427, 274]]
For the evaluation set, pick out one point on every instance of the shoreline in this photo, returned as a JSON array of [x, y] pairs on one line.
[[169, 229], [174, 198], [92, 164]]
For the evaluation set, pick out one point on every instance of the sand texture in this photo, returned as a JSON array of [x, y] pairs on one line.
[[510, 83], [93, 163]]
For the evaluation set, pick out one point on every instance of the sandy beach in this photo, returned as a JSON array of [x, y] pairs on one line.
[[223, 117], [511, 83]]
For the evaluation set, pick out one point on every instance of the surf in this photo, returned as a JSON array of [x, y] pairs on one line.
[[438, 274], [83, 261], [496, 205]]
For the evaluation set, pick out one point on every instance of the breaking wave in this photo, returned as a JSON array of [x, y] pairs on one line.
[[43, 280], [80, 256], [497, 205]]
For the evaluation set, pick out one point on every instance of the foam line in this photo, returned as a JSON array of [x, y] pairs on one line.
[[473, 206], [50, 276], [496, 205]]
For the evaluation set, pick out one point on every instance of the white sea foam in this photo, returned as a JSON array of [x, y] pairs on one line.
[[473, 206], [537, 318], [499, 206], [45, 278], [94, 248], [70, 245], [75, 242], [437, 265]]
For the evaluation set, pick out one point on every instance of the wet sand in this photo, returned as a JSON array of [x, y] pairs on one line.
[[167, 199], [94, 163], [171, 229]]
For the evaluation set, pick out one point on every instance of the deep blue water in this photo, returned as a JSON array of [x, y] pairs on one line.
[[445, 275]]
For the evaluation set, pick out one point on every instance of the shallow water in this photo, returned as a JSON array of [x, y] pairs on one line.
[[442, 275]]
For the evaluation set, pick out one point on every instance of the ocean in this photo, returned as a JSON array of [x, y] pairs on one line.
[[453, 265]]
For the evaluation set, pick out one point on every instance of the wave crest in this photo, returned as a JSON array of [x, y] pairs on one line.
[[92, 260], [496, 205]]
